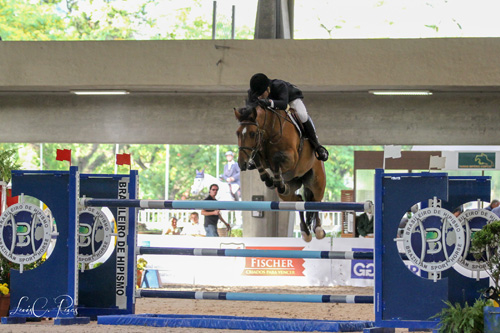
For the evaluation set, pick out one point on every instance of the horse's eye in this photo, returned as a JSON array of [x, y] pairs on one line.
[[252, 135]]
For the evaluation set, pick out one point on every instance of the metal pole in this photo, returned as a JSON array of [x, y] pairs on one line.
[[214, 20], [167, 170], [233, 16], [217, 163], [41, 156], [117, 150]]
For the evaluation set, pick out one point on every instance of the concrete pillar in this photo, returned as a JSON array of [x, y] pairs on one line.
[[271, 224], [274, 19]]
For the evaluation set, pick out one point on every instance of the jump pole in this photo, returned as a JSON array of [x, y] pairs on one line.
[[348, 255], [230, 205], [228, 296]]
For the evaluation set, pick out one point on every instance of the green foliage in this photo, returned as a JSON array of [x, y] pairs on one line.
[[150, 161], [236, 233], [457, 319], [340, 168], [8, 162], [107, 20], [484, 246]]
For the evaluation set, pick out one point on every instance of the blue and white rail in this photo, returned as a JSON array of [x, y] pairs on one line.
[[230, 205], [349, 255], [255, 296]]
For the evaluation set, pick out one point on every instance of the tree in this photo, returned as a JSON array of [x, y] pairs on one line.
[[22, 20]]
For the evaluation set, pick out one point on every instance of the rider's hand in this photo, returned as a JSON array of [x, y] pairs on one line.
[[267, 103]]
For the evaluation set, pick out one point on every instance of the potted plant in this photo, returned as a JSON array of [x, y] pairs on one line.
[[485, 247], [141, 265]]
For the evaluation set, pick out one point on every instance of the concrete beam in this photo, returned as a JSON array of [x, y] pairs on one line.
[[341, 119], [226, 65]]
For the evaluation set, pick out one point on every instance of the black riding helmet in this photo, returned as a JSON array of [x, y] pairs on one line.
[[259, 83]]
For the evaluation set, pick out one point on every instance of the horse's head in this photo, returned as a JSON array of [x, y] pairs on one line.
[[198, 182], [249, 135]]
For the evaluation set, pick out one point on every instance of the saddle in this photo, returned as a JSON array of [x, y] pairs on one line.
[[292, 115]]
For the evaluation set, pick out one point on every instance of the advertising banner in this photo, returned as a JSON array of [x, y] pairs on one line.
[[255, 271]]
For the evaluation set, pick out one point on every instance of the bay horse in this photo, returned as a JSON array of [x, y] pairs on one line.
[[269, 139]]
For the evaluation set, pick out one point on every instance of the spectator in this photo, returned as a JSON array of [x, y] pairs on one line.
[[364, 224], [493, 204], [496, 211], [212, 216], [173, 230], [457, 211], [193, 227], [232, 175]]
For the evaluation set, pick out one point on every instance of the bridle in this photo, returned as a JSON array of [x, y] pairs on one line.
[[251, 152]]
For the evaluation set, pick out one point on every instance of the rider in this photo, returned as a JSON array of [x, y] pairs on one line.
[[232, 175], [283, 95]]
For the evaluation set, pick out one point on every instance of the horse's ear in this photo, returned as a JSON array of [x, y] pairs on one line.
[[237, 113], [254, 113]]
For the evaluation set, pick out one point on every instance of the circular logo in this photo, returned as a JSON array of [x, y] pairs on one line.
[[94, 235], [433, 239], [25, 233], [472, 221]]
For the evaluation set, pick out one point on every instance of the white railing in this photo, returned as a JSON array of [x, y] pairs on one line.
[[160, 219]]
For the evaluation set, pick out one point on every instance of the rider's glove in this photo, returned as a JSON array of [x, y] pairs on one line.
[[267, 103]]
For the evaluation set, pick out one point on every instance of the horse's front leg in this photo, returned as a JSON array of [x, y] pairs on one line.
[[264, 175], [313, 218], [278, 160]]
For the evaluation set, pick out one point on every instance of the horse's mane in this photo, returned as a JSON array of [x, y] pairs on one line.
[[247, 112]]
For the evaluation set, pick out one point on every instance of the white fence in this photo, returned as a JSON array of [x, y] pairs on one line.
[[160, 219]]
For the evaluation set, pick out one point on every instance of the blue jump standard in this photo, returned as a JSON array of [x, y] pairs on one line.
[[228, 205], [255, 296], [235, 323], [256, 253]]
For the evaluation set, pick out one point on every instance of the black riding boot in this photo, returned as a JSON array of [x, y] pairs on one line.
[[320, 151]]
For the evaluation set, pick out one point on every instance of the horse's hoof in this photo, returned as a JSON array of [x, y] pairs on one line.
[[319, 232], [306, 237]]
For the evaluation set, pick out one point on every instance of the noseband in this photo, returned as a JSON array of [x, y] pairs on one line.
[[253, 151], [261, 131]]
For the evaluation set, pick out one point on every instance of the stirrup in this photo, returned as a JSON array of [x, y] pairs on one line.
[[321, 153]]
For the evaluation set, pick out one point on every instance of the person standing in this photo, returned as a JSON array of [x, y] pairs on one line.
[[212, 216], [232, 175]]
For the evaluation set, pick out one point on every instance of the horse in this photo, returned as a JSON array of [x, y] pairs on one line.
[[270, 139]]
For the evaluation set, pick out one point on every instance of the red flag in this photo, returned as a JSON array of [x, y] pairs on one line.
[[122, 159], [64, 155]]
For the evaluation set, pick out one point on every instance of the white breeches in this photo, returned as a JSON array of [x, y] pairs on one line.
[[300, 108]]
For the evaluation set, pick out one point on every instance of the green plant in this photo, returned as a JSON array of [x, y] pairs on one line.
[[236, 233], [8, 162], [484, 247], [467, 319]]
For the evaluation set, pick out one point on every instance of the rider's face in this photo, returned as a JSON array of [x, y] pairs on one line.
[[265, 94]]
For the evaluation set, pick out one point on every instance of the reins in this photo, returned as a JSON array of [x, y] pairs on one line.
[[261, 132]]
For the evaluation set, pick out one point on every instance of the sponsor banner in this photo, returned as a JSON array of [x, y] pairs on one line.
[[476, 160], [274, 266], [239, 271], [362, 269]]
